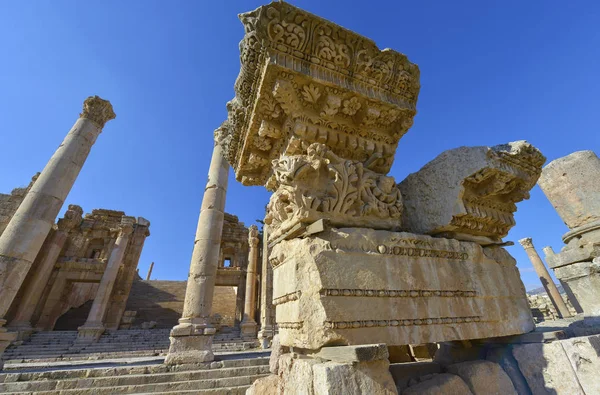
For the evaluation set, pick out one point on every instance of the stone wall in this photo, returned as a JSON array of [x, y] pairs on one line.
[[162, 302], [9, 203]]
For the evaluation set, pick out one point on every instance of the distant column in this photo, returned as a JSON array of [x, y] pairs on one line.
[[22, 239], [191, 339], [545, 278], [266, 294], [150, 271], [47, 259], [248, 325], [94, 326]]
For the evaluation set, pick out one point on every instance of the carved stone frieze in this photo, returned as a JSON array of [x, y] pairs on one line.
[[470, 193], [321, 185], [304, 80]]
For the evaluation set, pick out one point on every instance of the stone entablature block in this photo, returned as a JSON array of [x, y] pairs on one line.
[[304, 80]]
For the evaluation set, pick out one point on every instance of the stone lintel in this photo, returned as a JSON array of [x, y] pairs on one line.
[[360, 353]]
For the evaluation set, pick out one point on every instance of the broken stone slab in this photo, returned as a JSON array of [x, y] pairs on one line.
[[546, 368], [470, 193], [571, 185], [584, 355], [440, 384], [348, 354], [483, 377]]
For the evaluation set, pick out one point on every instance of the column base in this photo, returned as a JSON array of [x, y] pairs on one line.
[[190, 344], [266, 337], [89, 333], [248, 329]]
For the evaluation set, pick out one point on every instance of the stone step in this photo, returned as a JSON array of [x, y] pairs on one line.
[[213, 391], [125, 382], [176, 387]]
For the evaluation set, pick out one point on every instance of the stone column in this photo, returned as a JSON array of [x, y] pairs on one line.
[[545, 278], [266, 295], [248, 325], [150, 271], [191, 339], [47, 259], [22, 239], [94, 326]]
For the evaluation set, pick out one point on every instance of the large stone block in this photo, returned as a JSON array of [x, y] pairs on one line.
[[483, 377], [571, 185], [373, 377], [440, 384], [584, 355], [361, 286], [547, 369], [470, 192], [583, 280]]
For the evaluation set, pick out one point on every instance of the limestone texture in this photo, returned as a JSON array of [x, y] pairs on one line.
[[372, 377], [440, 384], [584, 355], [471, 193], [483, 377], [360, 286]]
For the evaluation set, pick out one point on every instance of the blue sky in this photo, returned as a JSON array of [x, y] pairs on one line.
[[491, 72]]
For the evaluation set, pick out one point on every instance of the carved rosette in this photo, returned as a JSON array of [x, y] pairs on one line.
[[97, 110], [321, 185], [305, 80]]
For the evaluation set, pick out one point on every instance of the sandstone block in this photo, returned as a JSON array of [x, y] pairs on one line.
[[547, 369], [584, 355], [353, 379], [440, 384], [470, 192], [483, 377], [345, 354], [265, 386], [410, 289]]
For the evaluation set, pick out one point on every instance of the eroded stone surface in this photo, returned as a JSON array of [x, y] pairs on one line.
[[483, 377], [584, 356], [440, 384], [470, 192], [371, 377], [320, 280]]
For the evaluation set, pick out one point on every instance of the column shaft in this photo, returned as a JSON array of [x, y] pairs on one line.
[[94, 325], [248, 325], [266, 294], [22, 239], [191, 340], [545, 278]]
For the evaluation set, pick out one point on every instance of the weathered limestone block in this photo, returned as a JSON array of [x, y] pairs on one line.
[[305, 80], [583, 279], [470, 193], [483, 377], [584, 355], [503, 357], [571, 185], [403, 373], [547, 369], [440, 384], [277, 350], [265, 386], [369, 377], [360, 286]]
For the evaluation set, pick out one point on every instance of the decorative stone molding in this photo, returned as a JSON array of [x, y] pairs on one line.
[[97, 110], [287, 298], [470, 193], [71, 219], [393, 293], [321, 185], [526, 242], [400, 322], [303, 80]]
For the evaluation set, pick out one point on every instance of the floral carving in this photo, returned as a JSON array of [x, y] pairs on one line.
[[320, 184], [351, 106], [311, 93]]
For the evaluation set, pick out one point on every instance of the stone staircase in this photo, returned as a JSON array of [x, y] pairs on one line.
[[229, 374], [59, 345]]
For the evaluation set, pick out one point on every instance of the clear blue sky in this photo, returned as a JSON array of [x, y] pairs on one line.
[[491, 72]]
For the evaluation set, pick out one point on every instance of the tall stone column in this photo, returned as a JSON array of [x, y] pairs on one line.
[[545, 278], [266, 295], [248, 325], [191, 339], [94, 325], [150, 271], [22, 239], [47, 259]]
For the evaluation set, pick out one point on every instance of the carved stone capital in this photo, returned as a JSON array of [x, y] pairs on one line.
[[526, 242], [71, 219], [126, 226], [321, 185], [253, 236], [97, 110]]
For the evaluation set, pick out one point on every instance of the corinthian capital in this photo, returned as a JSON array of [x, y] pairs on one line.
[[526, 242], [253, 236], [97, 110]]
